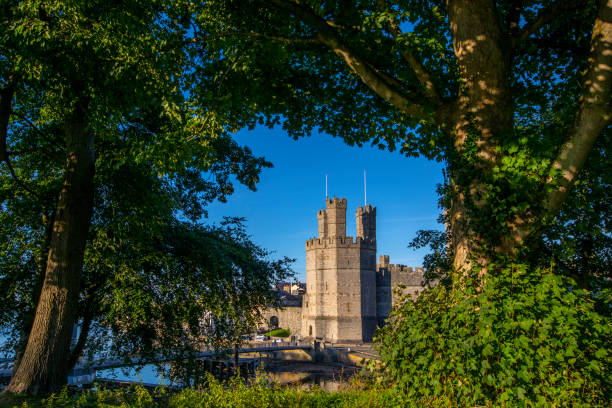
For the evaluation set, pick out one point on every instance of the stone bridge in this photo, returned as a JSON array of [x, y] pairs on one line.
[[87, 368]]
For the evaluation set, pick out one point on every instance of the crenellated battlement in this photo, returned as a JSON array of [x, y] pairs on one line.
[[340, 242], [387, 274], [332, 220], [399, 268], [367, 210], [383, 264], [366, 222], [335, 202]]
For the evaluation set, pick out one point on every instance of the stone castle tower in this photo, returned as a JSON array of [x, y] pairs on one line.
[[340, 302], [347, 293]]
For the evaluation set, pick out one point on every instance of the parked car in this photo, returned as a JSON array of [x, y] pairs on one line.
[[262, 337]]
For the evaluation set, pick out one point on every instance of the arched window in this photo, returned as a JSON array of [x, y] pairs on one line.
[[310, 331], [274, 322]]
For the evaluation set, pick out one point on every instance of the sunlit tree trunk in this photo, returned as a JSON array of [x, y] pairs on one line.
[[484, 117]]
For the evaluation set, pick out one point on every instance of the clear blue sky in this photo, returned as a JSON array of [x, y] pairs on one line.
[[281, 214]]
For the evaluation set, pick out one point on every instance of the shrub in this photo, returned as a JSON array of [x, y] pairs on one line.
[[524, 339]]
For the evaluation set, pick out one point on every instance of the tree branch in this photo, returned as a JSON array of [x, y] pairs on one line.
[[544, 17], [328, 36], [561, 45], [593, 113], [6, 100], [422, 74], [263, 36], [392, 82], [58, 142]]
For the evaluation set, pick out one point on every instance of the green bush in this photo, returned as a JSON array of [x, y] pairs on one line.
[[524, 339], [279, 333]]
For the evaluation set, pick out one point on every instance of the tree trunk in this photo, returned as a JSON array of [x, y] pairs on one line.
[[484, 116], [6, 102], [236, 360], [28, 317], [44, 364]]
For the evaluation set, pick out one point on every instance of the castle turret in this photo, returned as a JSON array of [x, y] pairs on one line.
[[383, 261], [366, 222], [336, 217], [322, 221]]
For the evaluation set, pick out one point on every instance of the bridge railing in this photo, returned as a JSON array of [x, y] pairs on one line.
[[257, 344], [205, 352]]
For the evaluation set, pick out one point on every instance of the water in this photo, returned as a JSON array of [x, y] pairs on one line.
[[306, 381], [147, 374], [296, 378]]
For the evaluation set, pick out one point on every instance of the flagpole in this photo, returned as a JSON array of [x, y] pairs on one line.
[[365, 191]]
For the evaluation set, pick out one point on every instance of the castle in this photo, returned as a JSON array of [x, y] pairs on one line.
[[347, 293]]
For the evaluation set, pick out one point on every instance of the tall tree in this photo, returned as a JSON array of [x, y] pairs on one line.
[[93, 94], [512, 95]]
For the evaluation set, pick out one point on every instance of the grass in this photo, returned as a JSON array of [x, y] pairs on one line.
[[259, 394]]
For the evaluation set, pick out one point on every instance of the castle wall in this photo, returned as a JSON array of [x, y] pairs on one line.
[[289, 317], [366, 233], [389, 277], [368, 292]]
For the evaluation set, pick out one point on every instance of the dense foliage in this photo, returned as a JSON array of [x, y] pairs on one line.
[[96, 109], [502, 92], [527, 337], [514, 97]]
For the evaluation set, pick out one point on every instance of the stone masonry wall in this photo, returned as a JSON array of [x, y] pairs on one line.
[[289, 317], [333, 300], [388, 277]]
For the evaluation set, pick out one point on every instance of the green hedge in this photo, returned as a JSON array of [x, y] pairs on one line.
[[279, 333]]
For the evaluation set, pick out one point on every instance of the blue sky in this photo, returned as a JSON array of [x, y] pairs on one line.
[[281, 214]]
